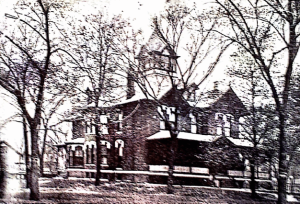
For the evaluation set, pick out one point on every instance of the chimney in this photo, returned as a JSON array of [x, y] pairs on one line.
[[130, 87], [89, 95], [216, 90], [216, 85]]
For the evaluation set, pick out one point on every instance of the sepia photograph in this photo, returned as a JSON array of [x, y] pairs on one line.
[[150, 101]]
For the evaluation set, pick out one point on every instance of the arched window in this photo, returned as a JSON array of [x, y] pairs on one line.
[[120, 145]]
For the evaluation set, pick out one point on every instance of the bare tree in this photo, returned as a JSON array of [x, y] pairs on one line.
[[94, 63], [173, 60], [27, 66], [268, 31], [52, 117], [260, 124]]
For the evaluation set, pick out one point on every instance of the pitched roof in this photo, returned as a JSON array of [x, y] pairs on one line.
[[211, 99]]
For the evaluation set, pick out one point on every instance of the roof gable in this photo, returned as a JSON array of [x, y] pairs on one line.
[[223, 101], [174, 98], [229, 100]]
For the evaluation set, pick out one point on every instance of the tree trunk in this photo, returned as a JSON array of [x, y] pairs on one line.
[[27, 159], [43, 152], [283, 163], [42, 165], [172, 156], [252, 182], [98, 158], [3, 174], [35, 169]]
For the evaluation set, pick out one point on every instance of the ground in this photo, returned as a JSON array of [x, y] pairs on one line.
[[84, 191]]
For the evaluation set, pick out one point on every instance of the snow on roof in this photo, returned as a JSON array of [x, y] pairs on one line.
[[77, 140], [164, 134], [240, 142], [198, 137], [140, 96], [136, 97]]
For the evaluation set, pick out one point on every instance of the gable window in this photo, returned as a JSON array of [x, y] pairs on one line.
[[219, 122], [224, 123], [193, 123], [228, 124]]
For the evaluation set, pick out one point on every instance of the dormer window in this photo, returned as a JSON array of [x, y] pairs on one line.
[[219, 121]]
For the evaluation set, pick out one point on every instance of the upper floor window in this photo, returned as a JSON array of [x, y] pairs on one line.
[[193, 123], [224, 123], [119, 124]]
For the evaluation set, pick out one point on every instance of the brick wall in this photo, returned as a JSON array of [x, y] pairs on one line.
[[142, 123]]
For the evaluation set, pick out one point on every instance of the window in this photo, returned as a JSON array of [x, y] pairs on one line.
[[78, 156], [87, 155], [228, 124], [103, 119], [161, 114], [120, 145], [91, 127], [162, 125], [224, 124], [78, 151], [219, 121], [92, 154], [86, 127], [119, 124], [104, 161], [193, 123], [104, 129]]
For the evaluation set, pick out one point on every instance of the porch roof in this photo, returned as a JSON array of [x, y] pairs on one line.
[[164, 134]]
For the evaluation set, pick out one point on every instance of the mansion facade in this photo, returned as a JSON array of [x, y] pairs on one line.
[[135, 138]]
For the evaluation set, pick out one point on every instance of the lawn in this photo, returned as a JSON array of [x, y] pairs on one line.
[[84, 191]]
